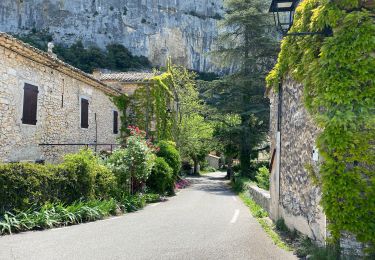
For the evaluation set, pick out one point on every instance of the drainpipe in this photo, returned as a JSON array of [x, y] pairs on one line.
[[96, 134], [278, 147]]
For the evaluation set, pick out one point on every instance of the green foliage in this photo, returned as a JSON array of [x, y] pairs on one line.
[[168, 151], [339, 92], [115, 57], [239, 186], [132, 165], [240, 183], [330, 252], [195, 138], [25, 184], [161, 178], [131, 203], [246, 45], [263, 178], [55, 215], [280, 225], [152, 197], [122, 103], [80, 176], [78, 170], [153, 102]]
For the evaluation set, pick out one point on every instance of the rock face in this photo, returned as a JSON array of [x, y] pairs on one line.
[[183, 29]]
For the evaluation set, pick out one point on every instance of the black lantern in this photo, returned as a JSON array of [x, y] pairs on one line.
[[283, 14]]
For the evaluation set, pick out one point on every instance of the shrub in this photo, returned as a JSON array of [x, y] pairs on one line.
[[168, 151], [80, 176], [78, 172], [236, 168], [152, 198], [118, 164], [132, 165], [130, 203], [263, 178], [161, 178], [25, 184], [105, 182]]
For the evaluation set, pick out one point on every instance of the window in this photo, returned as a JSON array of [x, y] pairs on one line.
[[115, 122], [30, 104], [84, 113]]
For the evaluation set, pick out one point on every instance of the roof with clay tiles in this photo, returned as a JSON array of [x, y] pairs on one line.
[[136, 77]]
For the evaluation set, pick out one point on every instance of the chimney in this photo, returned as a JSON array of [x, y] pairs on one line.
[[97, 73], [50, 46]]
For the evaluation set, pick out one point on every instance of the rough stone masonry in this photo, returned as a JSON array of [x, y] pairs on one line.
[[61, 88]]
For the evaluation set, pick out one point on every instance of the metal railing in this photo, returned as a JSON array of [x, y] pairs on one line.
[[82, 144]]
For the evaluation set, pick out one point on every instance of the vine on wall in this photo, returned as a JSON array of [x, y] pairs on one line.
[[338, 74], [150, 105]]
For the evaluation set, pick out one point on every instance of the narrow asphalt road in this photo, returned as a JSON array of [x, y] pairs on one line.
[[204, 221]]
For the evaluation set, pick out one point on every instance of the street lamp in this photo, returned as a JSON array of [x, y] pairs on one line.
[[283, 14]]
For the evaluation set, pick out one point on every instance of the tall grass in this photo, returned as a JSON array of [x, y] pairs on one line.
[[57, 214]]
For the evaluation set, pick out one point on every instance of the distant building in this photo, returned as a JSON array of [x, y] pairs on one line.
[[126, 82], [47, 105], [129, 83]]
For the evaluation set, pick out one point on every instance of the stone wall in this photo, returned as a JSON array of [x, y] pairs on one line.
[[213, 161], [58, 113], [260, 196], [298, 196]]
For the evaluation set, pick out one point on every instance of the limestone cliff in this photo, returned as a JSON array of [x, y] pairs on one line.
[[183, 29]]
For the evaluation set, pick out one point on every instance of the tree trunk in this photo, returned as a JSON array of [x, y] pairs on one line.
[[196, 166], [245, 151], [229, 170]]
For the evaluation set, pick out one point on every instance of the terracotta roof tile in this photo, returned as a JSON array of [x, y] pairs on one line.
[[127, 76]]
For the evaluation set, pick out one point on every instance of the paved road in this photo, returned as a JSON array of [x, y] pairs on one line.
[[204, 221]]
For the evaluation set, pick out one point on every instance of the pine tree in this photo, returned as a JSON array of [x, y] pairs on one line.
[[246, 45]]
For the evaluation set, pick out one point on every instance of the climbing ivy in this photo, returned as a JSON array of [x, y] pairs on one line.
[[338, 75], [122, 103], [164, 113], [151, 108]]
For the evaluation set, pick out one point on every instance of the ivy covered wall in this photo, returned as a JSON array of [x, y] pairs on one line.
[[338, 75], [151, 108]]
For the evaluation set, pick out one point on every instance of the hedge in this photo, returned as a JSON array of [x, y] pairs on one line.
[[80, 176], [168, 151], [161, 178]]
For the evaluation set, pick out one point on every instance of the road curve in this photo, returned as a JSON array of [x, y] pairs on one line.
[[204, 221]]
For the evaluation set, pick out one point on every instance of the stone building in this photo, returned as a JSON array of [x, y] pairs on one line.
[[293, 195], [45, 101], [126, 82]]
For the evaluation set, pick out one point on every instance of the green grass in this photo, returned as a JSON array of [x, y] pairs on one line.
[[259, 213]]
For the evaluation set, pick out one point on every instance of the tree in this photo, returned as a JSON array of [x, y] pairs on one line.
[[192, 132], [247, 46], [227, 132], [195, 138]]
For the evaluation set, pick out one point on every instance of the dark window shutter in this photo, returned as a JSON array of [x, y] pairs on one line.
[[30, 104], [84, 113], [115, 122]]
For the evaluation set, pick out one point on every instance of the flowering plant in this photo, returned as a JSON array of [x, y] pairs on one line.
[[135, 131]]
